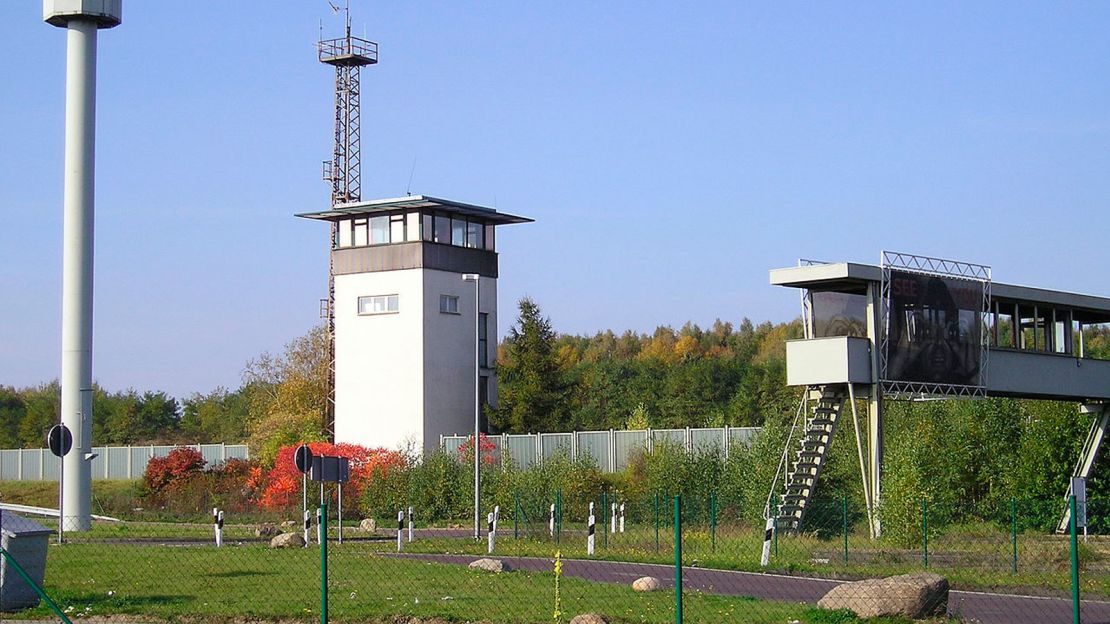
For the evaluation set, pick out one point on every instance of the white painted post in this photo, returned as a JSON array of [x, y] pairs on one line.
[[551, 522], [613, 519], [400, 527], [490, 533], [339, 512], [307, 524], [319, 526], [410, 524], [622, 517], [218, 520], [768, 534], [591, 523]]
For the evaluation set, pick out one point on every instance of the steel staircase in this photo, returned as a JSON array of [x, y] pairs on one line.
[[812, 452]]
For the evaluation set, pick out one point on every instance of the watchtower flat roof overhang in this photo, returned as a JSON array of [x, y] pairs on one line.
[[415, 202], [853, 278]]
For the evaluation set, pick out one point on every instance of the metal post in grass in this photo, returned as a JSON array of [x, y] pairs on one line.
[[655, 519], [324, 567], [1013, 536], [844, 517], [925, 531], [1074, 560], [678, 559]]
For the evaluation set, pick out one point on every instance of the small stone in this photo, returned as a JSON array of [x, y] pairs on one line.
[[490, 565], [287, 540], [369, 525], [266, 530], [289, 523], [590, 618], [647, 583]]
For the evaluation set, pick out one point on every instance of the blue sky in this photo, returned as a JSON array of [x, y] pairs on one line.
[[671, 153]]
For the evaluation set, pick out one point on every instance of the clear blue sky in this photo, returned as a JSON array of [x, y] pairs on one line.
[[671, 153]]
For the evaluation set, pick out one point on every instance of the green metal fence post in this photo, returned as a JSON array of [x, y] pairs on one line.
[[558, 516], [516, 514], [844, 515], [655, 517], [1013, 535], [604, 519], [678, 559], [324, 564], [775, 535], [1074, 561], [35, 586], [925, 531], [713, 521]]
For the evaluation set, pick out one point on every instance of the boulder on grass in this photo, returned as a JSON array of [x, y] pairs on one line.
[[289, 523], [915, 596], [266, 530], [590, 618], [490, 565], [287, 540], [647, 583], [369, 524]]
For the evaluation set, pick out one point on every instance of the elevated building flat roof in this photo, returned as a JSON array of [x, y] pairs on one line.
[[415, 202], [851, 277]]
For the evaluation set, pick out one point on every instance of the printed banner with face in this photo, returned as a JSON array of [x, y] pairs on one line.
[[935, 329]]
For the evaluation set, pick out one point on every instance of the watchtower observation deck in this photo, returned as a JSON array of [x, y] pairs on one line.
[[348, 51]]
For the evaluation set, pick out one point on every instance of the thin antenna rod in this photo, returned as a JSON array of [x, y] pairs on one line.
[[408, 189]]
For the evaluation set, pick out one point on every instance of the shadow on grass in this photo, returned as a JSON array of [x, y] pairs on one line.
[[240, 574]]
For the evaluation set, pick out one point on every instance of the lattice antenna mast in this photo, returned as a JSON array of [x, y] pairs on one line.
[[348, 55]]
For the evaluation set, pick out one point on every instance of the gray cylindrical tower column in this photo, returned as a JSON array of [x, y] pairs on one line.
[[81, 18]]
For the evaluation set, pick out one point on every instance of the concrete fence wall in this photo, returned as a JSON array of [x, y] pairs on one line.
[[610, 449], [111, 462]]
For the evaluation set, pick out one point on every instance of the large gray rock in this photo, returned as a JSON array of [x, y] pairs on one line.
[[590, 618], [490, 565], [647, 583], [914, 596], [368, 524], [287, 540]]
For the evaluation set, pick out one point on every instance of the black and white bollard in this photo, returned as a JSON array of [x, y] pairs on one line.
[[319, 527], [551, 522], [591, 523], [768, 535], [410, 524], [400, 527], [218, 525], [491, 535], [622, 518], [307, 525], [613, 519]]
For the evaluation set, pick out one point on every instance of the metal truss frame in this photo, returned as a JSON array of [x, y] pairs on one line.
[[927, 265]]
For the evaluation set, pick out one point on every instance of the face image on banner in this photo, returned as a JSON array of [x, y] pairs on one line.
[[935, 333]]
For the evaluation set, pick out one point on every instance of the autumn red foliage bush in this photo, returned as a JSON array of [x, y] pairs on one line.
[[176, 468], [488, 449], [281, 487]]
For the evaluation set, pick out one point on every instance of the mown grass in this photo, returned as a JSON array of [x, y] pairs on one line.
[[187, 583]]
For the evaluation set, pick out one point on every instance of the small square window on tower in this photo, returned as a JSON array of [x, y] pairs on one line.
[[448, 304]]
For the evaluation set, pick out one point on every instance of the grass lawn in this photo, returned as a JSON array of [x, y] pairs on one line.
[[251, 581]]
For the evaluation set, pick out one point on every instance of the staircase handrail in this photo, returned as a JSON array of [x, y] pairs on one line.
[[785, 453]]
